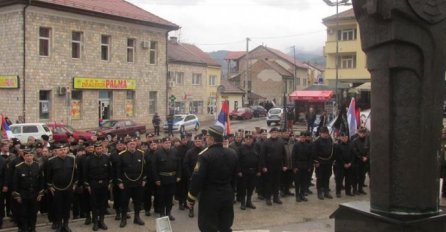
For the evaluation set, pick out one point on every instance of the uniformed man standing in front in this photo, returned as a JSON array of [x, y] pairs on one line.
[[116, 192], [323, 160], [97, 175], [213, 179], [302, 162], [61, 176], [131, 180], [249, 163], [27, 190], [190, 160]]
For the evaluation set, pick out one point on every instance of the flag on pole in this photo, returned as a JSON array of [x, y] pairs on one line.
[[223, 117], [351, 118], [6, 131]]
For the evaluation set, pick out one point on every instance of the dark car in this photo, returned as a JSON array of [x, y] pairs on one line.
[[259, 111], [241, 113], [120, 128], [62, 132]]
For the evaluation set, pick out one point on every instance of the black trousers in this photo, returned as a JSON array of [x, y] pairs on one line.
[[301, 182], [165, 194], [61, 205], [323, 174], [272, 183], [117, 198], [309, 177], [27, 214], [85, 203], [216, 210], [149, 191], [286, 181], [134, 192], [247, 185], [157, 129], [260, 188], [5, 204], [49, 200], [361, 170], [181, 191], [99, 201], [77, 209]]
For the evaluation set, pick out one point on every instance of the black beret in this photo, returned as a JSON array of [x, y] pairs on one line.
[[56, 146], [27, 150], [324, 129], [166, 139], [39, 145], [45, 137], [343, 133], [198, 137], [274, 129], [98, 144]]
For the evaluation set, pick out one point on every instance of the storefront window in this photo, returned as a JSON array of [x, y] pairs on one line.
[[44, 104], [196, 107], [180, 108], [76, 104], [129, 104]]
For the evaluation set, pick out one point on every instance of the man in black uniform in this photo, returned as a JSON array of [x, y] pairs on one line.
[[117, 193], [131, 180], [249, 162], [302, 162], [323, 160], [260, 188], [81, 191], [27, 190], [61, 176], [181, 188], [190, 160], [97, 175], [361, 150], [273, 162], [344, 165], [149, 189], [166, 167], [213, 179], [235, 145]]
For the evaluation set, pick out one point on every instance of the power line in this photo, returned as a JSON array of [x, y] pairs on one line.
[[288, 36]]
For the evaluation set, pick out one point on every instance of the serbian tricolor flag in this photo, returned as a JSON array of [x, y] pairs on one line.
[[351, 119], [223, 117], [6, 132]]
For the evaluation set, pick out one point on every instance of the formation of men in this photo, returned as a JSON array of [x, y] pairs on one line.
[[79, 178]]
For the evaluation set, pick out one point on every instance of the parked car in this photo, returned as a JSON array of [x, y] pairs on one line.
[[23, 130], [61, 132], [183, 122], [120, 128], [259, 111], [241, 113], [274, 116]]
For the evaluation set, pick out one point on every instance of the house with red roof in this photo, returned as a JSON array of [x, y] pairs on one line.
[[82, 61], [193, 79], [268, 74]]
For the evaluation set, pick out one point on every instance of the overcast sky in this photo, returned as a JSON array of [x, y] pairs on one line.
[[224, 24]]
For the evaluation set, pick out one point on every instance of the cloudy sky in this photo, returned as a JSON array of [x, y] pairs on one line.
[[225, 24]]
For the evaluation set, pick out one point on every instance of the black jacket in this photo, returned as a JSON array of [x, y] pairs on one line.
[[166, 166], [132, 168], [273, 154], [323, 150], [97, 171], [301, 156], [27, 181], [190, 160], [61, 172], [249, 159]]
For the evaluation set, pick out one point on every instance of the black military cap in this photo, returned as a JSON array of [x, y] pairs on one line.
[[130, 140], [324, 129], [248, 135], [362, 130], [204, 132], [120, 140], [45, 137], [15, 141], [56, 146], [230, 135], [27, 150], [89, 143], [274, 129], [343, 133], [150, 135], [198, 137], [39, 145], [216, 132], [166, 139], [98, 144], [74, 143]]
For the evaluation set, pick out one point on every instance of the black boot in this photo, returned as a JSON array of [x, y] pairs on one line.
[[249, 203], [118, 215], [320, 195], [137, 220], [123, 220], [102, 223], [95, 224], [242, 204], [277, 200], [191, 212], [65, 227], [88, 219]]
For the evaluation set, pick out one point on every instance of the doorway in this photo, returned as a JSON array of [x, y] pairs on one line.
[[105, 103]]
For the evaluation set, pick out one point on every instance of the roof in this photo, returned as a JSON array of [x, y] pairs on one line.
[[278, 68], [252, 95], [230, 88], [201, 55], [119, 8], [311, 95], [319, 67], [348, 14], [177, 52], [286, 57], [234, 55]]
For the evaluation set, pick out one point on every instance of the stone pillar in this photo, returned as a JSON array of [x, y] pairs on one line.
[[405, 45]]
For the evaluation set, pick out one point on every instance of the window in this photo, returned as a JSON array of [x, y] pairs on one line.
[[196, 79], [44, 41], [153, 95], [76, 104], [44, 104], [289, 85], [297, 80], [129, 103], [179, 107], [305, 82], [347, 61], [131, 50], [179, 78], [196, 107], [153, 52], [105, 47], [30, 129], [212, 80], [76, 44], [347, 34], [16, 129]]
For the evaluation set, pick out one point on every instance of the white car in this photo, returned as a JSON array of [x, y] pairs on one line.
[[24, 130], [184, 122], [274, 116]]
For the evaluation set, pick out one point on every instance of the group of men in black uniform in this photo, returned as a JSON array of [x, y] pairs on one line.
[[82, 176]]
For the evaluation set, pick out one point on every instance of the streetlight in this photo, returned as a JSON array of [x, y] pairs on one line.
[[337, 3]]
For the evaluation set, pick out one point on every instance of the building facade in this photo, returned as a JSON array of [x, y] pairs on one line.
[[352, 67], [193, 80], [79, 64]]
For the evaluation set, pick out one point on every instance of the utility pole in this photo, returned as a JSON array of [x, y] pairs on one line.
[[246, 100], [295, 68]]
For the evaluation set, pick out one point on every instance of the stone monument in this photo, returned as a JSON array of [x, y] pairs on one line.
[[405, 43]]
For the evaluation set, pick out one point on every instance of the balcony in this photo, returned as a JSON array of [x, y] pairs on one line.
[[345, 46]]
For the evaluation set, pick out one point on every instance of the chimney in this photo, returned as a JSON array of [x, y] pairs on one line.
[[174, 39]]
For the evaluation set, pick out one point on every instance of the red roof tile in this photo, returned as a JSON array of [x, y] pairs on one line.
[[234, 55], [200, 54], [176, 52], [118, 8]]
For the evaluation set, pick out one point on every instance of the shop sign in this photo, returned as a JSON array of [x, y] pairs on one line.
[[9, 82], [101, 83]]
